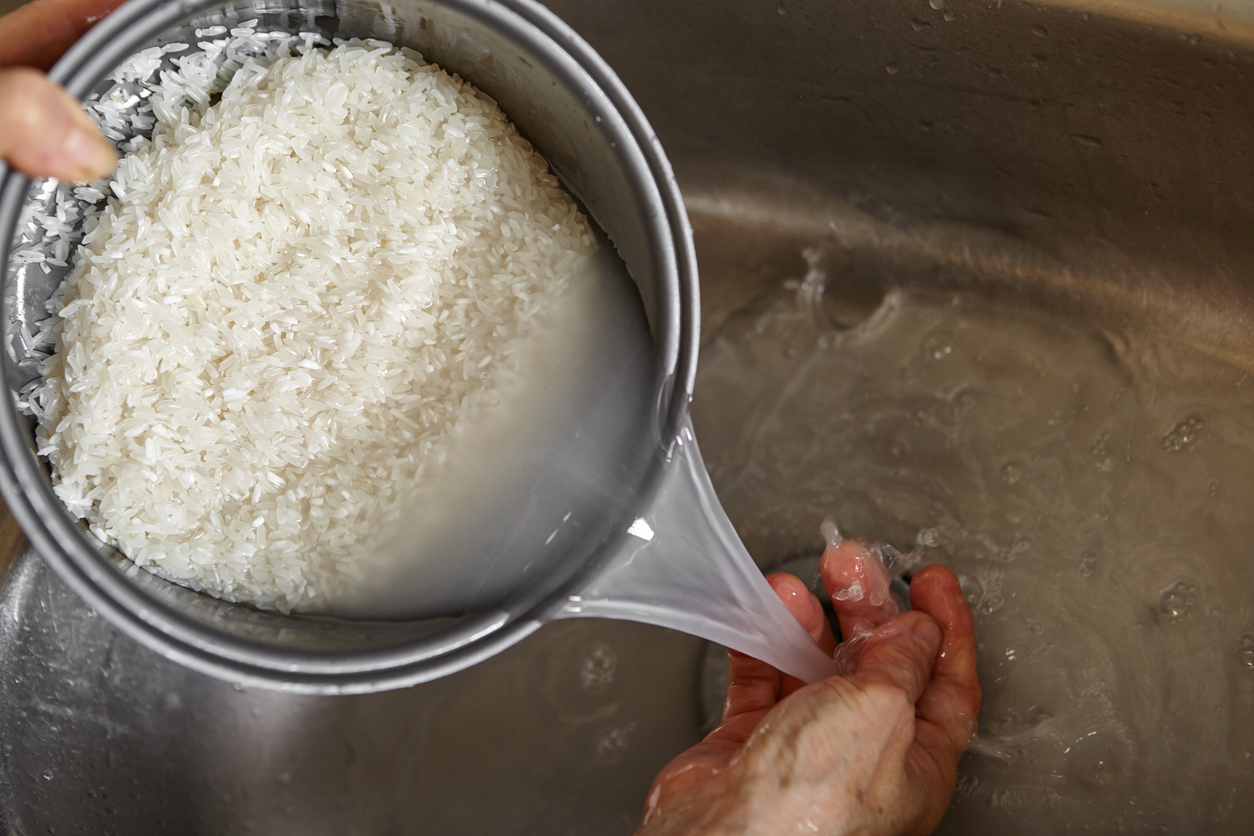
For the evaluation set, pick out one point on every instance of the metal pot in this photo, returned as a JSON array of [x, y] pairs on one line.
[[1087, 160], [574, 110]]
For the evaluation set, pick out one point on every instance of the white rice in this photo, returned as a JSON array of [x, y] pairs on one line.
[[289, 303]]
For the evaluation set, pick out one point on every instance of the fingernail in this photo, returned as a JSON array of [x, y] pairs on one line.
[[87, 155]]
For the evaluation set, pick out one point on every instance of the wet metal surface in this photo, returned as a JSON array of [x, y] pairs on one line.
[[1086, 164]]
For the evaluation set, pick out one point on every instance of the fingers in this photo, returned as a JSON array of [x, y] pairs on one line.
[[805, 608], [901, 653], [754, 687], [859, 585], [952, 697], [37, 34], [751, 685], [809, 613], [44, 132]]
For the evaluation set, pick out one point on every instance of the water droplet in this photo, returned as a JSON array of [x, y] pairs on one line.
[[1177, 599], [928, 537], [1010, 653], [1011, 473], [47, 775], [1035, 626], [1246, 654], [948, 15], [780, 10], [238, 686], [936, 4], [1184, 435], [1040, 31], [1213, 487], [891, 69], [596, 673]]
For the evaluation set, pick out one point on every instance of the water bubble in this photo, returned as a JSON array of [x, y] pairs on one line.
[[948, 15], [1246, 654], [1183, 435], [934, 348], [1017, 547], [972, 589], [612, 743], [47, 775], [891, 69], [928, 537], [1099, 446], [1011, 473], [992, 603], [1096, 760], [238, 686], [936, 4], [1177, 599], [1003, 799], [596, 673], [853, 593], [1088, 563], [1010, 653]]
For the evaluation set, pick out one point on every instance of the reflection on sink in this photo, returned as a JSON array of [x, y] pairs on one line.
[[1088, 485], [1029, 224], [562, 734]]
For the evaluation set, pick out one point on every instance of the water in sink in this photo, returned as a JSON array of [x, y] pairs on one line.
[[1090, 488]]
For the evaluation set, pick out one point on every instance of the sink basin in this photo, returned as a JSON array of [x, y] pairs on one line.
[[975, 281]]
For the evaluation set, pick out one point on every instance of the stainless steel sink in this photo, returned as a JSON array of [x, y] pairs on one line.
[[1086, 161]]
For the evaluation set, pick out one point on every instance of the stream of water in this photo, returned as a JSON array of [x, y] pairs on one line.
[[1091, 489]]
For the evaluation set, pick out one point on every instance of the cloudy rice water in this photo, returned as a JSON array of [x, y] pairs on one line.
[[296, 299]]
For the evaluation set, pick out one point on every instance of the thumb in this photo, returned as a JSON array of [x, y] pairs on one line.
[[901, 653], [44, 132]]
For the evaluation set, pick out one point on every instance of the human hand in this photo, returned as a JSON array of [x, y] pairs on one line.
[[43, 130], [872, 753]]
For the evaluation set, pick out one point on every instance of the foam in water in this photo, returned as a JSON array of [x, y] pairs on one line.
[[1091, 490]]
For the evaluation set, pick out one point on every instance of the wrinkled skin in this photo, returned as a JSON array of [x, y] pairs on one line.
[[871, 753], [43, 130]]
